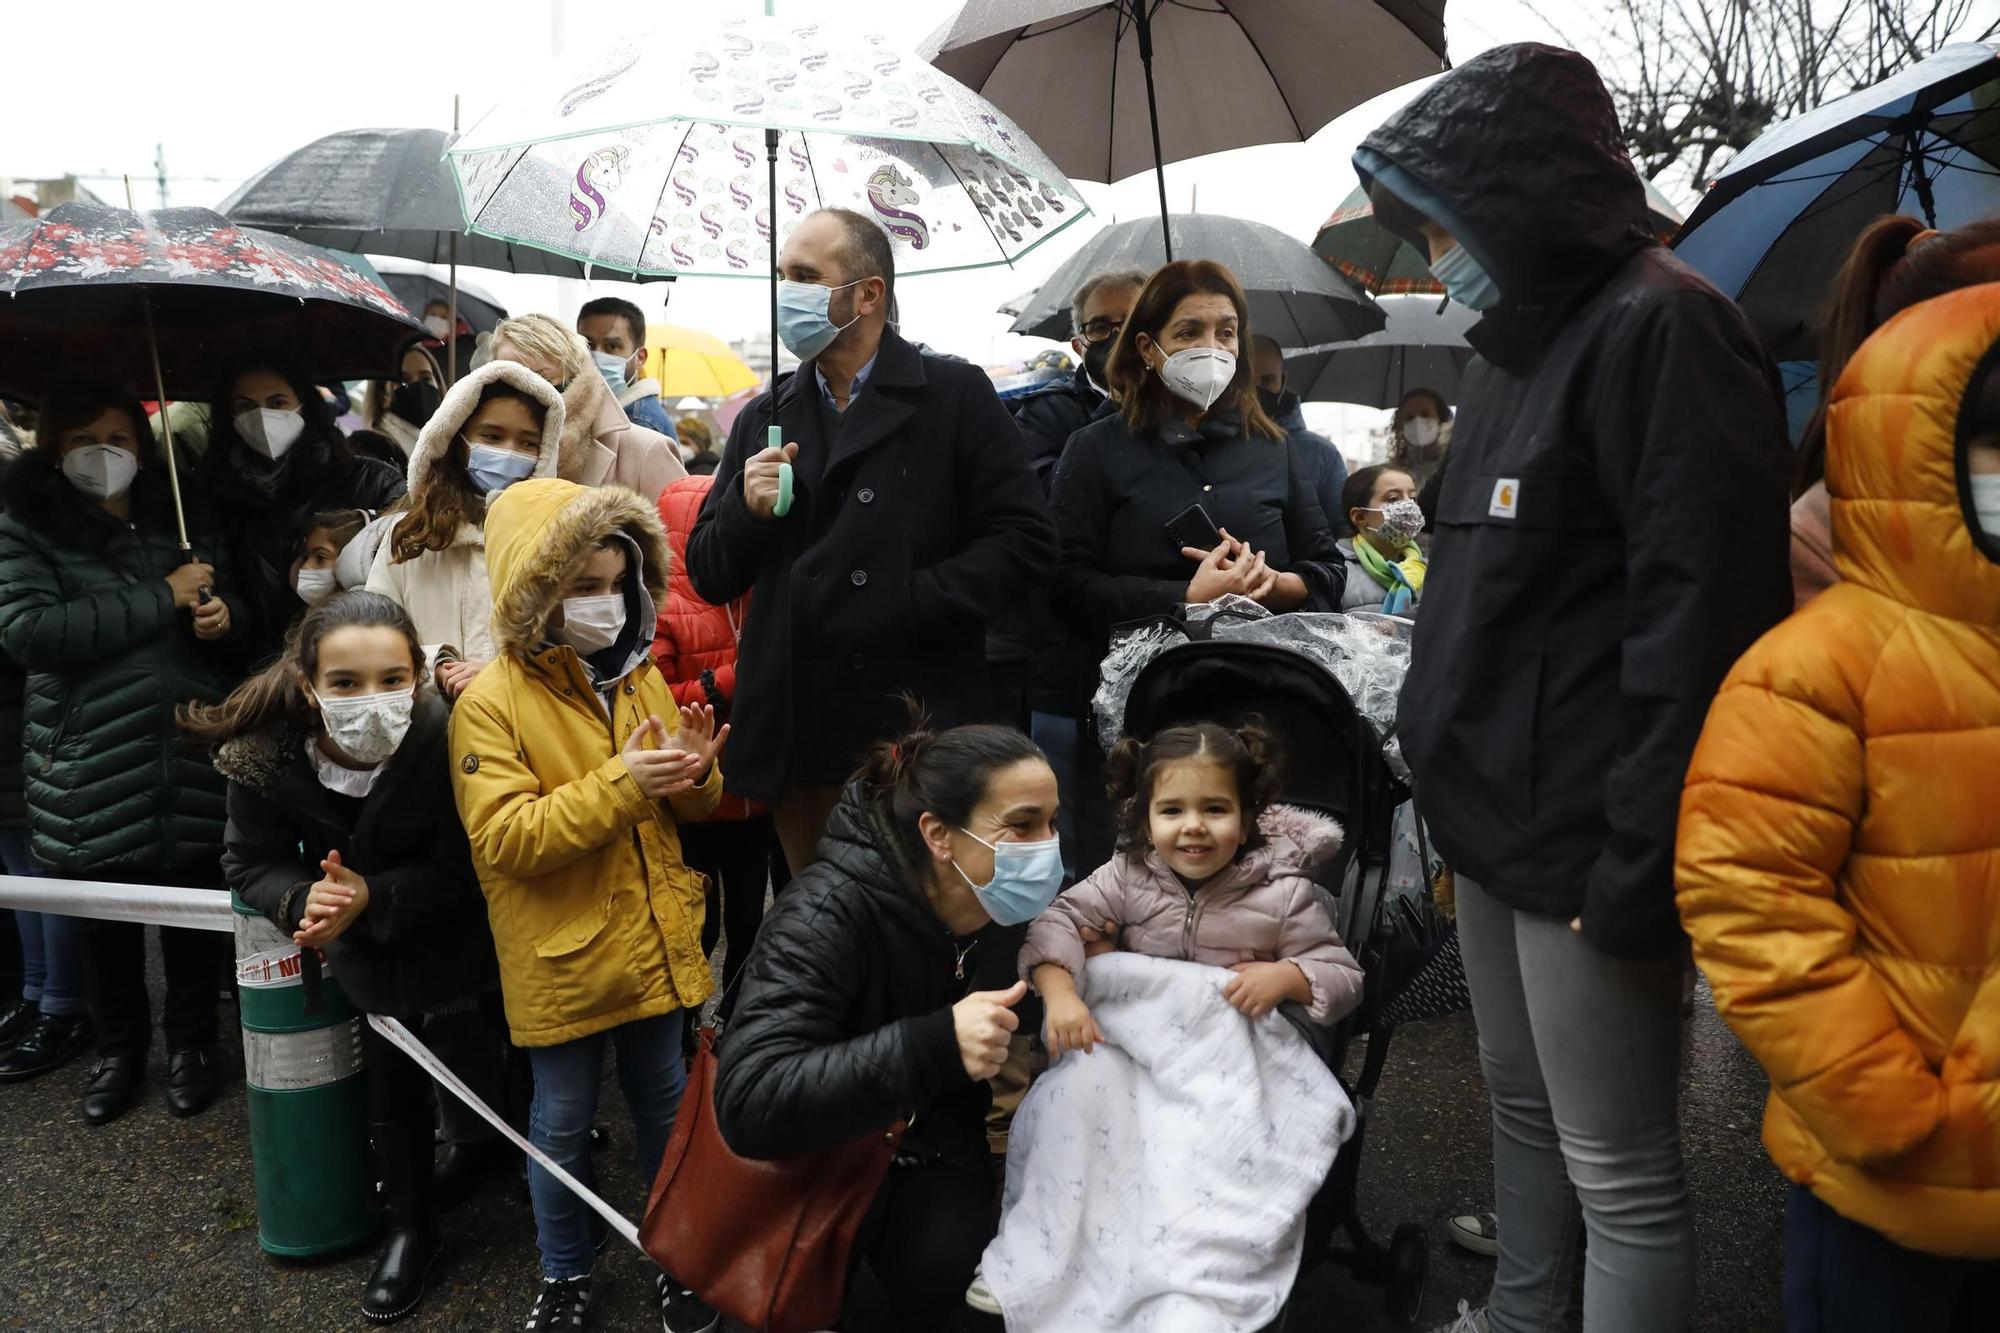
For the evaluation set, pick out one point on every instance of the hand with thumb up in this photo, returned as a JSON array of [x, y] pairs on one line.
[[760, 479], [659, 772], [984, 1022]]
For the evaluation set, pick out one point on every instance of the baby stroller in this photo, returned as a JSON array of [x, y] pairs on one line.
[[1335, 766]]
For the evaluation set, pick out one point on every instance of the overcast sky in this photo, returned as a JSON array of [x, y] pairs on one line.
[[232, 85]]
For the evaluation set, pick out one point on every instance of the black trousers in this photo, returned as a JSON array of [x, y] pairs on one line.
[[473, 1044], [924, 1236], [741, 859], [114, 977], [398, 1091], [11, 964]]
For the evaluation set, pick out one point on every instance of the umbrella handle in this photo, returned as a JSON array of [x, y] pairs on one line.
[[775, 439]]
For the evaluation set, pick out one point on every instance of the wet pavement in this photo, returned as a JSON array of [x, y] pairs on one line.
[[149, 1223]]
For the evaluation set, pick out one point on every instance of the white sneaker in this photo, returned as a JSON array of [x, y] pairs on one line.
[[1478, 1232], [1469, 1321], [980, 1297]]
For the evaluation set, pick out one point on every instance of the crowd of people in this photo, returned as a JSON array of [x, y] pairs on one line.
[[511, 706]]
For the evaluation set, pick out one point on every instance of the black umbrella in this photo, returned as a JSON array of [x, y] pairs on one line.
[[417, 285], [1078, 75], [1423, 346], [175, 295], [1294, 296]]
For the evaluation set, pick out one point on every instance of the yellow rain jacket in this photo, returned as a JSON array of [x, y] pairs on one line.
[[596, 918], [1839, 852]]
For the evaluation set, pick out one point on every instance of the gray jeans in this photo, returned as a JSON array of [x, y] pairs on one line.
[[1581, 1053]]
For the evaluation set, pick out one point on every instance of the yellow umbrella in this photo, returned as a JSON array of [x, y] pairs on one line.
[[689, 362]]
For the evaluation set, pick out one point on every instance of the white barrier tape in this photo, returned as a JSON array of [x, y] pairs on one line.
[[399, 1037], [272, 968], [147, 904], [209, 909]]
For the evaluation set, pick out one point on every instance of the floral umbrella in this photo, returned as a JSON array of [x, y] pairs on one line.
[[171, 298], [647, 157]]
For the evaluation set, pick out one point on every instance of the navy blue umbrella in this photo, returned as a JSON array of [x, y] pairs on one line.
[[1775, 226]]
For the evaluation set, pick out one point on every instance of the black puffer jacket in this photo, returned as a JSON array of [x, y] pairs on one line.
[[423, 939], [843, 1024], [1612, 533], [264, 531], [85, 608]]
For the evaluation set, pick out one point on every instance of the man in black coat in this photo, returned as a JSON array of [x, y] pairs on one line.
[[915, 518], [1322, 458], [1611, 536]]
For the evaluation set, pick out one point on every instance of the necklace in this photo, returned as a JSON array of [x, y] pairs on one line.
[[958, 964]]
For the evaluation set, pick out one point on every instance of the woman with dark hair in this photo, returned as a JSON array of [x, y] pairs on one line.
[[1894, 264], [1418, 435], [275, 458], [117, 627], [343, 831], [498, 425], [857, 1009]]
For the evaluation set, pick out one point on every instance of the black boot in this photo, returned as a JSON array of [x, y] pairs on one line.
[[191, 1081], [114, 1086], [463, 1167], [402, 1155]]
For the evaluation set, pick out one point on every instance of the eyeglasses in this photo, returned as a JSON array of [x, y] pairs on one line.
[[1098, 330]]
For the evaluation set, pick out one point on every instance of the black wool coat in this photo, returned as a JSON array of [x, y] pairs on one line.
[[923, 522]]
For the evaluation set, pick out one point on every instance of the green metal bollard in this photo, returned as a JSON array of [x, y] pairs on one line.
[[308, 1100]]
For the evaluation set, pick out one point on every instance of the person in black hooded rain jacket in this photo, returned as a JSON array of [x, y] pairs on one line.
[[275, 458], [1611, 536], [859, 1005]]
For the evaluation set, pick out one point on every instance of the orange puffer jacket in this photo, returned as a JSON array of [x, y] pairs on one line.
[[1839, 853], [693, 636]]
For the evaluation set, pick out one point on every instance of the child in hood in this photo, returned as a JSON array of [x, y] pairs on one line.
[[1838, 864], [573, 770]]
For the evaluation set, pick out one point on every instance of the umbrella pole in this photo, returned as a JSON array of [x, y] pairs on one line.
[[167, 431], [451, 315], [771, 166], [1143, 25]]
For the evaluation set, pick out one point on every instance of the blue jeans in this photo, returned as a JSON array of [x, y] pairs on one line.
[[1057, 737], [1843, 1277], [651, 1075], [51, 967], [1581, 1053]]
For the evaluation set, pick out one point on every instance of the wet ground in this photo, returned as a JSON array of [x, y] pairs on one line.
[[149, 1223]]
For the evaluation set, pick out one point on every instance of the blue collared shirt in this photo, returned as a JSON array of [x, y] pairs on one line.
[[853, 390]]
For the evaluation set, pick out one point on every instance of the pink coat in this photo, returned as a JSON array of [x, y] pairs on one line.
[[1263, 909]]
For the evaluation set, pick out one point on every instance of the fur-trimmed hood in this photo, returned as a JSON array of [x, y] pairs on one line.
[[538, 532], [263, 760], [1297, 839], [589, 408], [460, 403]]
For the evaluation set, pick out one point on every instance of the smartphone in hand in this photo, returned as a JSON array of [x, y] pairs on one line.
[[1193, 527]]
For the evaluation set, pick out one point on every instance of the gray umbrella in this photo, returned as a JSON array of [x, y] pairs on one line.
[[1295, 296], [1079, 76], [1423, 346]]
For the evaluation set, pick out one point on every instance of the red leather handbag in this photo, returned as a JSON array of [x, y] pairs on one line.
[[765, 1243]]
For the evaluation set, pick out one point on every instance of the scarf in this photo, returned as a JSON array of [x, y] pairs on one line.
[[1404, 580]]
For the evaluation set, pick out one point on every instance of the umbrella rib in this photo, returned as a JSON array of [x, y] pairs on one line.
[[666, 181], [1111, 111], [1259, 52], [1819, 204]]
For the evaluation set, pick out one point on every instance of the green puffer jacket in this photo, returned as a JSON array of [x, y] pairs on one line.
[[85, 608]]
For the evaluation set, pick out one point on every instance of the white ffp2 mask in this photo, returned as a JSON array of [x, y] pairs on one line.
[[1199, 374]]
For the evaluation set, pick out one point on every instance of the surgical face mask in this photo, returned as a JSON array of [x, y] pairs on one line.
[[592, 624], [367, 728], [1467, 283], [1199, 374], [803, 325], [271, 431], [101, 471], [416, 402], [494, 470], [1422, 431], [1027, 876], [315, 585], [440, 327], [1401, 521], [1097, 362], [1986, 501], [614, 370]]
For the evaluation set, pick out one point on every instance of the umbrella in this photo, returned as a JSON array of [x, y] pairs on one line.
[[1293, 296], [381, 192], [417, 284], [90, 286], [688, 362], [1385, 265], [1233, 72], [1423, 345], [1775, 226], [691, 404]]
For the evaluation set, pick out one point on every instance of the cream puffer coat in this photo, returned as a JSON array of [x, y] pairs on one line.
[[1261, 910], [446, 592]]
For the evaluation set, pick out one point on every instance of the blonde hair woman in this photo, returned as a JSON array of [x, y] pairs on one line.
[[600, 445]]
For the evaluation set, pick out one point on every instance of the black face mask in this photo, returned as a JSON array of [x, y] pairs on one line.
[[416, 402], [1271, 400], [1097, 356]]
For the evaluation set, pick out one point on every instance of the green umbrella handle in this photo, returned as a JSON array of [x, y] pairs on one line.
[[776, 440]]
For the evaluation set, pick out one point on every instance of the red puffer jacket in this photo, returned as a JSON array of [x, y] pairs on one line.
[[694, 637]]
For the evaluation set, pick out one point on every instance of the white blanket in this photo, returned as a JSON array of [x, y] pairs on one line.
[[1160, 1182]]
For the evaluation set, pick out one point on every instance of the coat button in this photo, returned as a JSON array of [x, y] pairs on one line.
[[858, 578], [630, 688], [1208, 488], [857, 660], [866, 495]]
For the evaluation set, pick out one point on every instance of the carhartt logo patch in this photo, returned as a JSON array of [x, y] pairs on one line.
[[1506, 497]]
